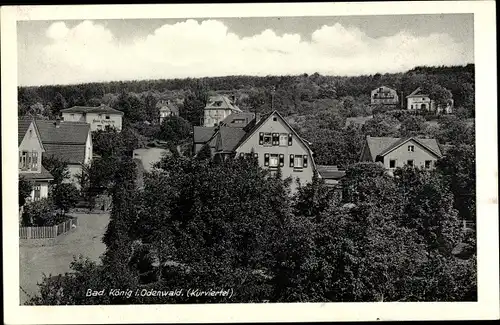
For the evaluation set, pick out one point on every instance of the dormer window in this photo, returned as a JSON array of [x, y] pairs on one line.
[[31, 133]]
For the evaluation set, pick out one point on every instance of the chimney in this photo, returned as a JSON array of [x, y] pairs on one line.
[[257, 117], [58, 122]]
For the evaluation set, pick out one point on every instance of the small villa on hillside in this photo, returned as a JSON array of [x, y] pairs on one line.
[[166, 108], [100, 118], [31, 150], [419, 100], [398, 152], [384, 95], [271, 140], [217, 109]]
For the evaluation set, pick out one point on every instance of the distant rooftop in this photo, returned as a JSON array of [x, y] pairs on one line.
[[88, 109]]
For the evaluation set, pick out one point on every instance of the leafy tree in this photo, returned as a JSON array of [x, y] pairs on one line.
[[194, 103], [381, 126], [458, 167], [58, 104], [413, 125], [174, 129], [455, 131], [441, 96], [65, 196], [25, 189], [151, 111], [57, 167], [204, 153], [313, 199]]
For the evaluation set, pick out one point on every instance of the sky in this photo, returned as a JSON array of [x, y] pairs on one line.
[[70, 52]]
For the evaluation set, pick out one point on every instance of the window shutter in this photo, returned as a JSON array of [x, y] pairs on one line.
[[261, 138], [266, 159], [289, 139], [282, 160], [256, 155], [291, 160], [305, 160], [275, 143]]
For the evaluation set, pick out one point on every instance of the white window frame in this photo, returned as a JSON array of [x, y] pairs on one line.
[[37, 188], [411, 148], [270, 137], [283, 139], [296, 159], [273, 156]]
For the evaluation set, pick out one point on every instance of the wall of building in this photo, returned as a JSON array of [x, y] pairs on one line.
[[402, 155], [75, 171], [297, 148], [31, 143], [73, 117], [378, 98], [415, 103], [97, 120], [213, 117]]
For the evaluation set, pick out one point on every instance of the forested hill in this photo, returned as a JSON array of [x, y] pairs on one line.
[[293, 94]]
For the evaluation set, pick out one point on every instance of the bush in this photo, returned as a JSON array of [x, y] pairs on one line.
[[41, 213]]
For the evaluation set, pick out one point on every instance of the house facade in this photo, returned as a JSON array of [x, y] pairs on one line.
[[271, 140], [384, 95], [100, 118], [419, 100], [398, 152], [166, 108], [31, 150], [67, 141], [217, 109]]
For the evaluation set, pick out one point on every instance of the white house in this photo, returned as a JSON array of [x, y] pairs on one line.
[[419, 100], [30, 159], [100, 118], [217, 109]]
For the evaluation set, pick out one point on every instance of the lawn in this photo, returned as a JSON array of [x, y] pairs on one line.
[[54, 259]]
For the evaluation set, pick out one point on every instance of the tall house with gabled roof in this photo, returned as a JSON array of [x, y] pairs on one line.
[[30, 159], [217, 109], [100, 118], [398, 152]]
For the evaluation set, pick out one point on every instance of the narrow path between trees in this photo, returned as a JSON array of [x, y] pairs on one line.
[[55, 258]]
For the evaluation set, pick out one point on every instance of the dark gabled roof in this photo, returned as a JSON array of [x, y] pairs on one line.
[[329, 172], [66, 133], [230, 120], [86, 109], [380, 146], [228, 138], [202, 134], [416, 93], [166, 105], [71, 153], [252, 126], [22, 128], [44, 174], [221, 102]]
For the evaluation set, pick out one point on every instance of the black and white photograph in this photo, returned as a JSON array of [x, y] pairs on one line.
[[218, 157]]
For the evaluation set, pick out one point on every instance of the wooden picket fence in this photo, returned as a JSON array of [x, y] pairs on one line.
[[47, 232]]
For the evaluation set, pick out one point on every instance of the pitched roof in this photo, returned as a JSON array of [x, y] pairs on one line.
[[330, 172], [417, 93], [67, 132], [71, 153], [44, 174], [380, 146], [22, 128], [231, 120], [202, 134], [229, 138], [167, 106], [86, 109], [221, 102]]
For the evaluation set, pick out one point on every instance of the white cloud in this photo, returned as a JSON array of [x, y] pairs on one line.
[[90, 52]]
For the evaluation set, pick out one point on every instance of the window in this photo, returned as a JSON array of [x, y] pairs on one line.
[[34, 160], [298, 161], [107, 117], [99, 127], [72, 116], [276, 139], [23, 159], [31, 133], [411, 106], [392, 163], [411, 148], [273, 160], [410, 162], [36, 189], [275, 118], [267, 139], [99, 115], [283, 140], [428, 164]]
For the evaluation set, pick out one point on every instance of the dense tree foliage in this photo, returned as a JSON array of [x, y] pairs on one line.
[[25, 189], [174, 129]]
